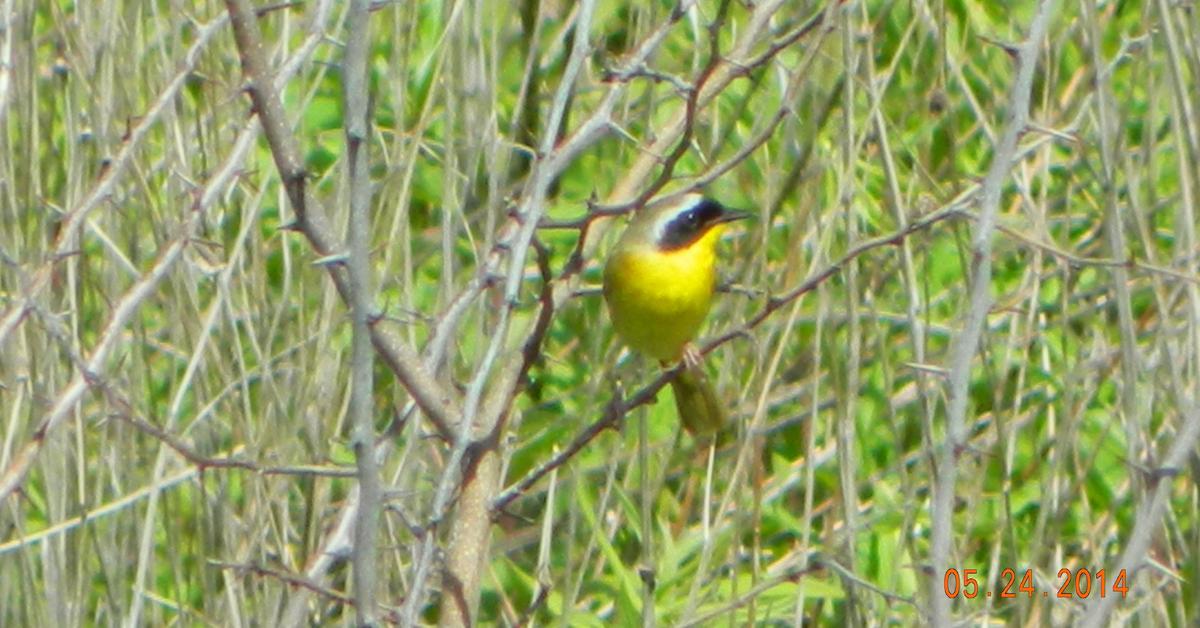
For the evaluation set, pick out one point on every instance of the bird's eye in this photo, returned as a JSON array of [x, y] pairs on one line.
[[692, 217]]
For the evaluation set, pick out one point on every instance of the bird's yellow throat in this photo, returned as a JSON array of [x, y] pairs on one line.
[[658, 299]]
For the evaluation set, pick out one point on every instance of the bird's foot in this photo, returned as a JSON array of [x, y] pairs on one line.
[[691, 357]]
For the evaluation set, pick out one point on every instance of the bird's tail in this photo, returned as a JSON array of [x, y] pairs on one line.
[[696, 399]]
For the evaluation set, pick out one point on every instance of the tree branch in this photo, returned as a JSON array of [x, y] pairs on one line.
[[355, 92], [966, 343]]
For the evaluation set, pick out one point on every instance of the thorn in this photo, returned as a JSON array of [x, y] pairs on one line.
[[329, 260], [1012, 50]]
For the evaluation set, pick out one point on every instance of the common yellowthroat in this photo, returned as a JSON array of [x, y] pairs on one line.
[[659, 283]]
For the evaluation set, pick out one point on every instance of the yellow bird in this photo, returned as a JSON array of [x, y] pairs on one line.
[[659, 283]]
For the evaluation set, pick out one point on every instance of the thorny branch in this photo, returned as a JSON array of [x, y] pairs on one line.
[[966, 342], [295, 580], [436, 402]]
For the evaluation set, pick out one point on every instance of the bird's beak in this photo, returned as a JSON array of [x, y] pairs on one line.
[[730, 215]]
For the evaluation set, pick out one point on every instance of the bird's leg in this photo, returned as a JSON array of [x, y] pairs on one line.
[[691, 357]]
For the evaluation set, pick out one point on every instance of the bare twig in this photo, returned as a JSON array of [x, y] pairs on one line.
[[105, 187], [355, 93], [123, 311], [847, 415], [436, 402], [597, 211], [966, 343], [115, 506], [1157, 477], [8, 32], [1135, 556], [479, 476], [297, 580]]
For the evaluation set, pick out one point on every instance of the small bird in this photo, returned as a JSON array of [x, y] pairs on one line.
[[659, 283]]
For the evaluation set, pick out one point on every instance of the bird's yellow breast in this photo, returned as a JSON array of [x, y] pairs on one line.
[[658, 299]]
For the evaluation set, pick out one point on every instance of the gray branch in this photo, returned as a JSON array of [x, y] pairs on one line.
[[967, 342]]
